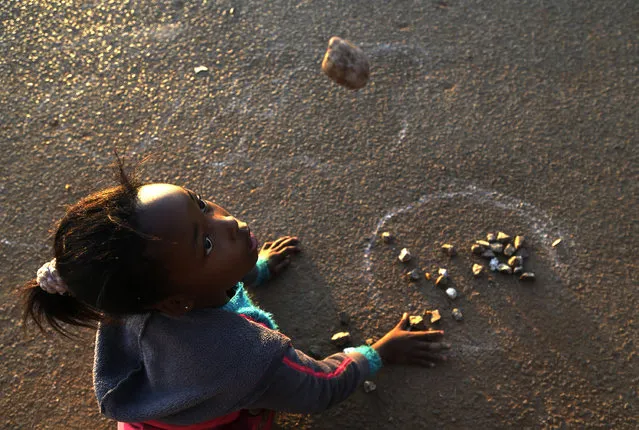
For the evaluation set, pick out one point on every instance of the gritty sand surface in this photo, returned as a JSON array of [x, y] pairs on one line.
[[479, 116]]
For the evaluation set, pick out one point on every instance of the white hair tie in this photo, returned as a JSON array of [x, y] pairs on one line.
[[49, 279]]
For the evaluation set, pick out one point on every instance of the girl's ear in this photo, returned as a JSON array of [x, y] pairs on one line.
[[175, 305]]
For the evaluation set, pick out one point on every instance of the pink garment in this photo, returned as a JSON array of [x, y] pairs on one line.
[[239, 420]]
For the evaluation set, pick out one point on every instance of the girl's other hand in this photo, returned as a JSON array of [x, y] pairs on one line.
[[422, 348], [278, 253]]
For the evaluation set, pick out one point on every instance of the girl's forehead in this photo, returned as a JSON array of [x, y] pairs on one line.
[[151, 193], [165, 210]]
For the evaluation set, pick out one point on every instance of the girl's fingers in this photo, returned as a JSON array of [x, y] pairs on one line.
[[285, 251], [289, 250], [278, 258], [403, 323], [285, 245], [285, 239], [427, 336], [276, 242]]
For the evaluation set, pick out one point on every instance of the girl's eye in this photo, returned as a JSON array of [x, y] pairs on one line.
[[201, 203], [208, 245]]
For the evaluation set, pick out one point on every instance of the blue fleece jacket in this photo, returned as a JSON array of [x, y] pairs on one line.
[[211, 362]]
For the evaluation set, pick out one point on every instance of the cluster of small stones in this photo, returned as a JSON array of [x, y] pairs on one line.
[[419, 322], [492, 248], [415, 275], [499, 245]]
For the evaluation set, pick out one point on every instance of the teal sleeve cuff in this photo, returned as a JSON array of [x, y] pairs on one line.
[[374, 360], [263, 272]]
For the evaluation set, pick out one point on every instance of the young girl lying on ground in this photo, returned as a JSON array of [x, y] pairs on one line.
[[179, 343]]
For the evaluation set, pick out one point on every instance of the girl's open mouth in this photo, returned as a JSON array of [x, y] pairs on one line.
[[252, 242]]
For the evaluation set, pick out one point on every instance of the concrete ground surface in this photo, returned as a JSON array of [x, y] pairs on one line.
[[479, 116]]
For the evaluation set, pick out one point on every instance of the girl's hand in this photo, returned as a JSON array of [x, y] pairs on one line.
[[422, 348], [278, 253]]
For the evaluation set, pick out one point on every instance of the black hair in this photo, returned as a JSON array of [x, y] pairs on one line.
[[100, 255]]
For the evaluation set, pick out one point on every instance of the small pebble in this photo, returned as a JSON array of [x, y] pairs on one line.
[[503, 237], [483, 243], [414, 275], [404, 255], [443, 272], [344, 318], [416, 323], [441, 281], [515, 261], [451, 293], [369, 386], [556, 242], [519, 241], [370, 341], [434, 316], [457, 314], [200, 70], [428, 276], [67, 187], [478, 269], [477, 249], [494, 264], [341, 339], [497, 247], [505, 268], [509, 250], [449, 249], [490, 237], [387, 237], [346, 64], [527, 276], [488, 254], [518, 270]]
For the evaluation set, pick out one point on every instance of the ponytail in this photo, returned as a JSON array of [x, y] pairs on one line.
[[100, 256], [55, 309]]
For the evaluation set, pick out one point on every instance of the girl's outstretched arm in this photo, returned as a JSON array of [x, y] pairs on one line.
[[304, 385], [301, 384]]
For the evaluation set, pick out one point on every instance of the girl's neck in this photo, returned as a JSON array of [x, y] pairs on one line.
[[220, 298]]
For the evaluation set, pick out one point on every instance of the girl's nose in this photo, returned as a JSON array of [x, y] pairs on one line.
[[234, 226]]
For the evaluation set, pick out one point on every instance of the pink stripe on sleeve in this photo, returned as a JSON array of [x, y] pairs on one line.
[[300, 368], [254, 320]]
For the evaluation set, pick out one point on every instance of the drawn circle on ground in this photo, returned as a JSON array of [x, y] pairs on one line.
[[462, 214], [539, 226]]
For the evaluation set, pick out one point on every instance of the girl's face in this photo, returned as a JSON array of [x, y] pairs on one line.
[[204, 249]]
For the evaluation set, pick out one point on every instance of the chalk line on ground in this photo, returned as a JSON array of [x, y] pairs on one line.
[[540, 224]]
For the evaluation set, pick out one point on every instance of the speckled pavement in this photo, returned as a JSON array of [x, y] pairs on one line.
[[479, 116]]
